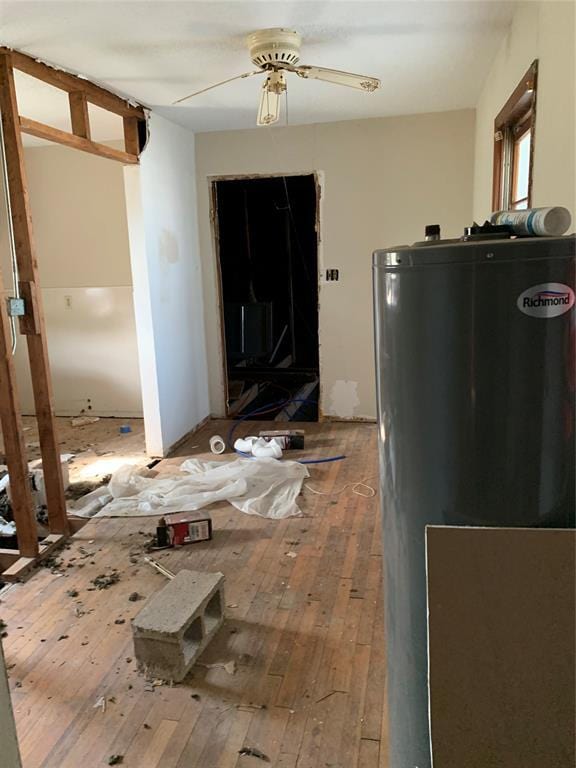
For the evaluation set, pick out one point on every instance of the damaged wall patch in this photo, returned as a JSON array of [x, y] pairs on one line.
[[344, 399]]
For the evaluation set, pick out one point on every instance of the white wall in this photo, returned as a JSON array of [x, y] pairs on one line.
[[383, 181], [545, 31], [79, 221], [162, 219]]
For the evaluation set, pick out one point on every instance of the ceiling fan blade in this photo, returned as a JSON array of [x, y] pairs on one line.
[[362, 82], [269, 109], [217, 85]]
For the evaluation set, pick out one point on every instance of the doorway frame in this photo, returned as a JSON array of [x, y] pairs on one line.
[[215, 237]]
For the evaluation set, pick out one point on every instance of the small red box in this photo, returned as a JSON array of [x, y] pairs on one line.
[[188, 527]]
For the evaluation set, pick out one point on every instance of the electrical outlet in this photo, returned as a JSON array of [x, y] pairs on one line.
[[332, 274], [16, 307]]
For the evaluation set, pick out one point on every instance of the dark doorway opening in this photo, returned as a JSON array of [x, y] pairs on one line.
[[267, 246]]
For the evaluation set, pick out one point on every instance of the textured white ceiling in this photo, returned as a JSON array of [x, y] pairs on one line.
[[430, 56]]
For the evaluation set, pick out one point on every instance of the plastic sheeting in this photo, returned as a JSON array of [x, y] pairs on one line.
[[264, 487]]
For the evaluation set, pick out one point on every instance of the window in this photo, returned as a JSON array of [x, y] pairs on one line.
[[514, 146]]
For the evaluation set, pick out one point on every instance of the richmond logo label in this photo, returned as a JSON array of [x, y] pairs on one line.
[[546, 300]]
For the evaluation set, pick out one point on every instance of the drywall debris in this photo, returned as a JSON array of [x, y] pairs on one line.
[[250, 707], [103, 581], [291, 554], [229, 666], [253, 752], [82, 421], [101, 704]]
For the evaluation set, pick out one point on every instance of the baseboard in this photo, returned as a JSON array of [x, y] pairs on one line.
[[348, 420], [187, 436]]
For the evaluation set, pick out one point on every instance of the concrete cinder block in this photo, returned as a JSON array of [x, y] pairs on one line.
[[175, 625]]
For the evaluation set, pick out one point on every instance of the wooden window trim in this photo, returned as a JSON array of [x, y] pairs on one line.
[[521, 104]]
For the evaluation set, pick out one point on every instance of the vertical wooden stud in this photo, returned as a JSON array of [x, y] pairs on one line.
[[131, 141], [79, 116], [28, 270], [14, 445]]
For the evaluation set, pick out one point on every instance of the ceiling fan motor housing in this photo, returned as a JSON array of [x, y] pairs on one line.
[[274, 47]]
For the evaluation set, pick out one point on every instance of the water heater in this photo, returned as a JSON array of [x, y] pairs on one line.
[[475, 359]]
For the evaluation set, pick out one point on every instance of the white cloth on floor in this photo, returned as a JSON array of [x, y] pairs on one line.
[[264, 487]]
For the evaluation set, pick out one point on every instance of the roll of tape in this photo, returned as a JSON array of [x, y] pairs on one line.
[[217, 444]]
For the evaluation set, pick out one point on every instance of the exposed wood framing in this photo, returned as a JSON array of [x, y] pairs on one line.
[[79, 114], [81, 93], [28, 271], [72, 83], [14, 444], [21, 566], [76, 142], [131, 141]]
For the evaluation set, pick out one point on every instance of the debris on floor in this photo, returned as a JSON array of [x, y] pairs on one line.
[[105, 580], [82, 488], [229, 666], [82, 421], [253, 752], [115, 759]]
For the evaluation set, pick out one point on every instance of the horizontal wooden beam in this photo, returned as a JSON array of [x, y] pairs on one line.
[[24, 565], [76, 142], [8, 557], [95, 94]]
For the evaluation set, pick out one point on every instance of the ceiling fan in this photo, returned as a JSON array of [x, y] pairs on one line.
[[276, 52]]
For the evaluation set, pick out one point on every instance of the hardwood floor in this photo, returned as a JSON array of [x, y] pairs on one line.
[[306, 633]]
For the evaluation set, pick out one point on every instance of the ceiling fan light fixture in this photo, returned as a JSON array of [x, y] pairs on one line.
[[269, 109]]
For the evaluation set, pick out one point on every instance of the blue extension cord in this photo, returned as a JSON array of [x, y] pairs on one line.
[[269, 407]]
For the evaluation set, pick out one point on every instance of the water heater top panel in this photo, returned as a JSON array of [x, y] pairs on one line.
[[457, 251]]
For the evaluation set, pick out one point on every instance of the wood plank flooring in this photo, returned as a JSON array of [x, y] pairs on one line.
[[306, 633]]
